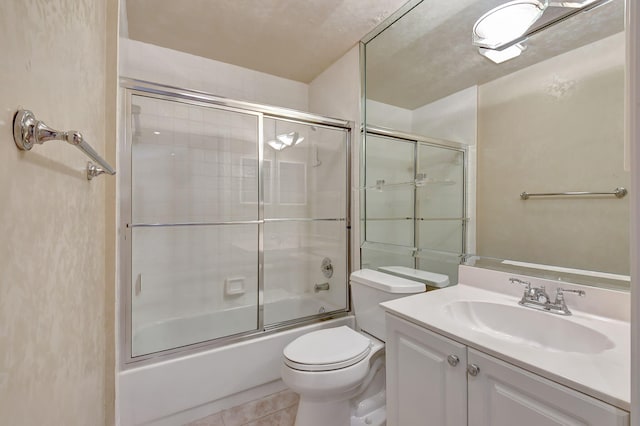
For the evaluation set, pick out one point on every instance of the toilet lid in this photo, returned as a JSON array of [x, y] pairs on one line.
[[328, 349]]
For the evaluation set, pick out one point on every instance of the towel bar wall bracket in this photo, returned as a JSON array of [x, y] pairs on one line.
[[27, 131]]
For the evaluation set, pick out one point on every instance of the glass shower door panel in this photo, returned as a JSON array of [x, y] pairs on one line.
[[440, 182], [194, 183], [295, 285], [373, 256], [390, 216], [440, 199], [440, 235], [192, 163], [388, 160], [305, 220], [389, 191], [191, 284], [308, 178]]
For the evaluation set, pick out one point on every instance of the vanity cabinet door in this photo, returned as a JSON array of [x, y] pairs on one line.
[[426, 377], [504, 395]]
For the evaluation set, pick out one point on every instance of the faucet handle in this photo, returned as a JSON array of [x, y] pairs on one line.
[[527, 284], [561, 291], [561, 304]]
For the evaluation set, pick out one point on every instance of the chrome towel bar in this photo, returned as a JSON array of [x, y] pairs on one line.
[[618, 193], [27, 131]]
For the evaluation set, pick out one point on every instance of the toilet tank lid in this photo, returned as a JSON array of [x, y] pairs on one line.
[[429, 278], [385, 282]]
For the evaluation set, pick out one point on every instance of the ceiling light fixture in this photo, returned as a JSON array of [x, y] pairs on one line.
[[277, 145], [501, 32], [285, 140], [507, 22], [499, 56], [290, 139]]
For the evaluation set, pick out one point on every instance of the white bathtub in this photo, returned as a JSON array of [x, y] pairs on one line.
[[176, 391], [178, 332]]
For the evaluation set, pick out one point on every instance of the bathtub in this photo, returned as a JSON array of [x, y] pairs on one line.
[[178, 332], [177, 391]]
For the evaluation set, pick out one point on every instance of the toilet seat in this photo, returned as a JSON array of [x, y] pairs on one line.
[[326, 350]]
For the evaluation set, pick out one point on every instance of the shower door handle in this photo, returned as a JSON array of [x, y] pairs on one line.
[[138, 285]]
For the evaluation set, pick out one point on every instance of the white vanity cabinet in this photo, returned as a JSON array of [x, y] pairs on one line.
[[426, 377], [424, 388], [501, 394]]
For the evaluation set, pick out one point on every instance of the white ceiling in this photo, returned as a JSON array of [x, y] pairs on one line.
[[295, 39]]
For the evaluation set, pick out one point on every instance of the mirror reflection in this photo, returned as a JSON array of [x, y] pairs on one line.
[[547, 120]]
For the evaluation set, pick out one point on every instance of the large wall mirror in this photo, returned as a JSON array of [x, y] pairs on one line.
[[458, 131]]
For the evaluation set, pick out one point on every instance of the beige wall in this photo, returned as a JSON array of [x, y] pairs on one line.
[[556, 126], [56, 305]]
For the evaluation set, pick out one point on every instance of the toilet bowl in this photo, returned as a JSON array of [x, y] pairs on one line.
[[339, 372], [329, 369]]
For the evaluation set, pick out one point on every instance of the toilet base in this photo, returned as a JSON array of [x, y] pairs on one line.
[[312, 413], [371, 411], [363, 409], [375, 418]]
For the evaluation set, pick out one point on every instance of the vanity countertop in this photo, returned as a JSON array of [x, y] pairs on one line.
[[601, 373]]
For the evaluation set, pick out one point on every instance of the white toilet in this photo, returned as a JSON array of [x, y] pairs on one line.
[[339, 372]]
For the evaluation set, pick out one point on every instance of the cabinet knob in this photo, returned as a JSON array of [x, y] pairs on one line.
[[473, 369], [453, 360]]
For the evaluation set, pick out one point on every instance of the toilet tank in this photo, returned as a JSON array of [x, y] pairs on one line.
[[370, 288]]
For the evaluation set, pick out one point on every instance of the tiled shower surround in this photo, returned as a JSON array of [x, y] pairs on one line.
[[278, 409]]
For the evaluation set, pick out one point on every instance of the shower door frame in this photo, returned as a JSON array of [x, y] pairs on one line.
[[131, 87]]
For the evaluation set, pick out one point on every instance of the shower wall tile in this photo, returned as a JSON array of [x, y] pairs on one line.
[[176, 292], [158, 64], [201, 155], [294, 252], [182, 270]]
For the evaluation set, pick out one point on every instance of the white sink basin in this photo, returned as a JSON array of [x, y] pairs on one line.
[[527, 326], [587, 351]]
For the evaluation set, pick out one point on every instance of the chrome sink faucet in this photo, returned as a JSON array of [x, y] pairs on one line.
[[560, 304], [537, 298]]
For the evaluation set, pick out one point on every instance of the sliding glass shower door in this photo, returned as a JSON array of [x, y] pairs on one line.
[[305, 231], [414, 203], [194, 224], [234, 220]]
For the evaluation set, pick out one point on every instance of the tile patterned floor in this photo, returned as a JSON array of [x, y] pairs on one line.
[[278, 409]]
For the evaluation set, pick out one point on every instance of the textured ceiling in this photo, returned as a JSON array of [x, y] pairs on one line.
[[289, 38], [428, 55]]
